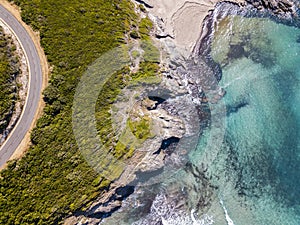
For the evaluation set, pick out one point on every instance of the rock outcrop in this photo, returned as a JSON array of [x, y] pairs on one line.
[[280, 7]]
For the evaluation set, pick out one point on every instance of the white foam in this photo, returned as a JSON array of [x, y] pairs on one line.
[[227, 217], [188, 220]]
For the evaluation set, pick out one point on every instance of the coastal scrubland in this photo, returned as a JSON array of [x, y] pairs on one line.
[[53, 180]]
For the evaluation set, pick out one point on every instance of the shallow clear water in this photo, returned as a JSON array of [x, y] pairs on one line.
[[257, 167], [246, 168]]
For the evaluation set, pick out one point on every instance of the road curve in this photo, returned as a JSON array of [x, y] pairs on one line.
[[34, 87]]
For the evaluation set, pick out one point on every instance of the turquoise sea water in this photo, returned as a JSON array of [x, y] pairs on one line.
[[257, 163], [246, 167]]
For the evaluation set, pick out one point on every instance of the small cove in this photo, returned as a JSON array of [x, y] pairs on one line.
[[245, 169]]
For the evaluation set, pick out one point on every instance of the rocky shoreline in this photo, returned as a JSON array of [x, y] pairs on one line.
[[179, 106]]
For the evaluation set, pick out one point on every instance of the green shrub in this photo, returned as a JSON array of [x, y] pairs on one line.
[[142, 8], [145, 26], [140, 127]]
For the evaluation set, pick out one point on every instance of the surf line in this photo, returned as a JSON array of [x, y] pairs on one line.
[[227, 217]]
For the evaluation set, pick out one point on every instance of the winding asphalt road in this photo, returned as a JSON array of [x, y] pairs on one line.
[[34, 87]]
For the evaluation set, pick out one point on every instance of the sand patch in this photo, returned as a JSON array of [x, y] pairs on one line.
[[182, 19]]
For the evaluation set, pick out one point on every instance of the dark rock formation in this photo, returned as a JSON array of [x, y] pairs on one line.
[[236, 106], [279, 7], [145, 3], [160, 36]]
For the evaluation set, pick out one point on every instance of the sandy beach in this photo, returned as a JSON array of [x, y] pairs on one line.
[[182, 20]]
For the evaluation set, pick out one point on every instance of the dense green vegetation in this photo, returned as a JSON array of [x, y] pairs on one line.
[[140, 127], [9, 70], [53, 179], [134, 134], [123, 146]]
